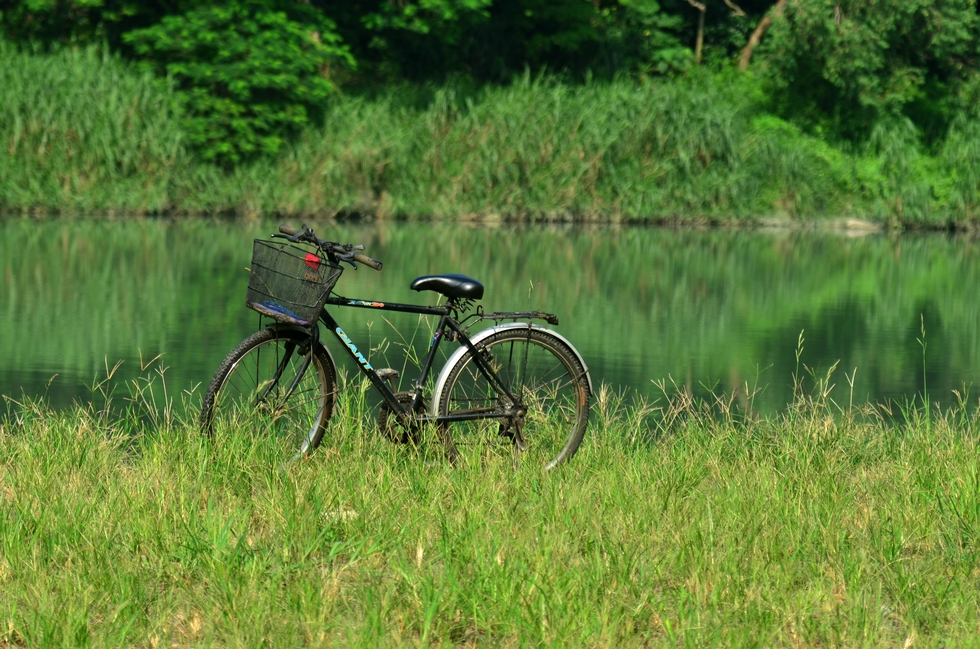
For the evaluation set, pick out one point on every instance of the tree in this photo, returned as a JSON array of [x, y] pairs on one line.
[[251, 71], [48, 22], [746, 56], [656, 45], [858, 61], [413, 39], [499, 39], [702, 10]]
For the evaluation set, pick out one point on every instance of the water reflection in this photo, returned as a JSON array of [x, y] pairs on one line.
[[700, 309]]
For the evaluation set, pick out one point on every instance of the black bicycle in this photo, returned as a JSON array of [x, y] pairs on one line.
[[515, 382]]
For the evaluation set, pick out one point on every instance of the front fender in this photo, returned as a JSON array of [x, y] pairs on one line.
[[480, 337]]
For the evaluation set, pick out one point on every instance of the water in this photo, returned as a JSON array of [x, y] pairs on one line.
[[700, 310]]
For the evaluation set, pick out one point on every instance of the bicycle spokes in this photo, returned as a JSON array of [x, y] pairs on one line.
[[543, 412]]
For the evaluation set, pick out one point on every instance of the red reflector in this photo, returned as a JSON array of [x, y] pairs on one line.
[[312, 261]]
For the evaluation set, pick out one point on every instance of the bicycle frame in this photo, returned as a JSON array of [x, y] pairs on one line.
[[446, 323]]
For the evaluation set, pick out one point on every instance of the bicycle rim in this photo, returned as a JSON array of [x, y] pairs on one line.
[[273, 386], [546, 379]]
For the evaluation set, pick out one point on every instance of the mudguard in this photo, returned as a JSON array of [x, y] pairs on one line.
[[483, 335]]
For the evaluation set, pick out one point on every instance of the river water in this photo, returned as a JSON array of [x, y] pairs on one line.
[[705, 311]]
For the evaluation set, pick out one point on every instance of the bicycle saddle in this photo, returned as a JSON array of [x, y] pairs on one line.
[[450, 286]]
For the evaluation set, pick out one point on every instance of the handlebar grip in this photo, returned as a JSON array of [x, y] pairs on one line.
[[367, 261], [288, 230]]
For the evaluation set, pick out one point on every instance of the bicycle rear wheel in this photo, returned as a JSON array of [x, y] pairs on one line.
[[550, 385], [274, 383]]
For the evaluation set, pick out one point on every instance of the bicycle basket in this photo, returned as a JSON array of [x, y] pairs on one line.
[[288, 282]]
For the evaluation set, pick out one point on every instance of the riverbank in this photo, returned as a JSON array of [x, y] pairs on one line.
[[88, 134], [688, 525]]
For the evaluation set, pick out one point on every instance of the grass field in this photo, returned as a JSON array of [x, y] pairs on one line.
[[677, 524]]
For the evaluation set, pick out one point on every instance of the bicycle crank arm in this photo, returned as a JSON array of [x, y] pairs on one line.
[[513, 430]]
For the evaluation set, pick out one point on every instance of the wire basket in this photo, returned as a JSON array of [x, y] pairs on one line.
[[289, 283]]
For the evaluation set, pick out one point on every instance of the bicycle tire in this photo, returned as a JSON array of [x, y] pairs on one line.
[[541, 371], [245, 394]]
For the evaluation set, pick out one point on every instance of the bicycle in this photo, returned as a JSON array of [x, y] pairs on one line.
[[515, 382]]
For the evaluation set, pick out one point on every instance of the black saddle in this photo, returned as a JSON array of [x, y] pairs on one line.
[[458, 286]]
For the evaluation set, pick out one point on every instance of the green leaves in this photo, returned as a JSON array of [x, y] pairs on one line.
[[423, 16], [858, 61], [653, 32], [250, 74]]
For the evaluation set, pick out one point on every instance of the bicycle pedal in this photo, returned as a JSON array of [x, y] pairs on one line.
[[516, 440]]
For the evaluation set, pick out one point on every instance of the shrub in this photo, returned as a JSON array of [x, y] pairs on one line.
[[250, 74]]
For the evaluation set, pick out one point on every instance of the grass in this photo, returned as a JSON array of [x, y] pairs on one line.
[[87, 133], [84, 132], [678, 524]]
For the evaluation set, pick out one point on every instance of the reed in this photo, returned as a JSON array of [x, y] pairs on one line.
[[960, 160], [828, 525], [87, 133], [84, 132]]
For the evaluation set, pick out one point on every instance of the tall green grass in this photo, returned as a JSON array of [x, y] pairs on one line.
[[85, 132], [826, 526]]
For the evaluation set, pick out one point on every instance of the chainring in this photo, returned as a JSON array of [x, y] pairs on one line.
[[392, 429]]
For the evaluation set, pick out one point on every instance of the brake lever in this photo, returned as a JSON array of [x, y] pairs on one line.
[[348, 253], [294, 238], [348, 260]]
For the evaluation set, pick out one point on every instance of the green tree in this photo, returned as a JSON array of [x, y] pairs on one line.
[[251, 72], [495, 40], [844, 64], [48, 22], [650, 36], [408, 39]]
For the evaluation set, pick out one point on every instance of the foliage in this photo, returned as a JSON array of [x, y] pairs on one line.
[[82, 131], [253, 72], [415, 39], [87, 133], [424, 16], [960, 160], [250, 72], [496, 41], [489, 40], [82, 22], [878, 126], [52, 20], [647, 36], [842, 66]]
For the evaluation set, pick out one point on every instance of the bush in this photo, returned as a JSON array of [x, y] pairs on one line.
[[250, 74]]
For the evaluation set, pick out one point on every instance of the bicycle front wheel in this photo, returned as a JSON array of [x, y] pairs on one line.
[[550, 387], [276, 383]]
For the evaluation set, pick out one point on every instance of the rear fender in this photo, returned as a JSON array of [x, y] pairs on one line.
[[480, 337]]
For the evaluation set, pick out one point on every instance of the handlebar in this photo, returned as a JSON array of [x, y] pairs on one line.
[[367, 261], [339, 251]]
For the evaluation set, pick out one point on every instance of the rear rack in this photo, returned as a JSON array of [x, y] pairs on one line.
[[497, 316]]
